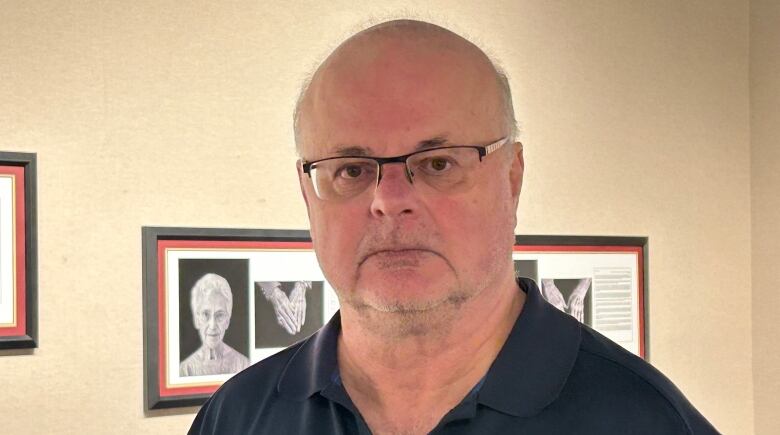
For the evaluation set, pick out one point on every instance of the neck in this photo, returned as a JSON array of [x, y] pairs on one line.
[[214, 353], [427, 370]]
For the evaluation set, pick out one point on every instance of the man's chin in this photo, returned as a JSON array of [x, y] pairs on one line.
[[404, 278], [398, 318], [407, 301], [403, 306]]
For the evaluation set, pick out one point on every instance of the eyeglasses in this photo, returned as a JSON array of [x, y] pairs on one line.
[[218, 316], [446, 169]]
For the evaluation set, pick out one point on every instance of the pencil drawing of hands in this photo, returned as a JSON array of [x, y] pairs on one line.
[[577, 299], [298, 301], [553, 295], [290, 311]]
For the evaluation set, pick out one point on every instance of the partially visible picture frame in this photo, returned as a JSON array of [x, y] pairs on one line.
[[216, 300], [599, 280], [18, 251]]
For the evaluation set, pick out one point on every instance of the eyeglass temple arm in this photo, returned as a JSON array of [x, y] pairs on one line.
[[490, 148]]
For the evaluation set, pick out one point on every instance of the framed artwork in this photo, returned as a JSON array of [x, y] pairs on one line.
[[218, 300], [601, 281], [18, 252]]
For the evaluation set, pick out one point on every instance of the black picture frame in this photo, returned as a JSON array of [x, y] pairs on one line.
[[157, 393], [22, 332]]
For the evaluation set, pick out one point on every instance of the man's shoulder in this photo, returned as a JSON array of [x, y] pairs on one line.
[[628, 384], [240, 404], [602, 356], [258, 379]]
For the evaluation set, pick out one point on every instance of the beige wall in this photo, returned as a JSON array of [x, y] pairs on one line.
[[635, 117], [765, 182]]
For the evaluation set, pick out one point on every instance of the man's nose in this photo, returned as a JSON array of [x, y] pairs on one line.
[[212, 324], [394, 194]]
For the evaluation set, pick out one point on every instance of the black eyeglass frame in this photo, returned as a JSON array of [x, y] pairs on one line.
[[482, 150]]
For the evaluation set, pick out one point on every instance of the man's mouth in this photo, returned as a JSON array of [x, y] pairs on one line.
[[398, 257]]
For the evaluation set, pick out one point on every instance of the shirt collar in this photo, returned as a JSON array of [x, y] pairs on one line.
[[527, 375], [534, 364], [314, 364]]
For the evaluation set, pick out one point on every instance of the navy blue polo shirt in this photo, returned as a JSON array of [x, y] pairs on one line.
[[552, 376]]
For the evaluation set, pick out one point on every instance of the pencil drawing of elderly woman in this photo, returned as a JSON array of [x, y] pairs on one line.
[[211, 301]]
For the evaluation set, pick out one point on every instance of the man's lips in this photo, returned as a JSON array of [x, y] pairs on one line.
[[397, 254]]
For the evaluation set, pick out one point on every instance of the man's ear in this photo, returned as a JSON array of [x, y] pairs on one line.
[[516, 170]]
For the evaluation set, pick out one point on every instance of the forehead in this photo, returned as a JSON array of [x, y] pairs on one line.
[[392, 93], [212, 300]]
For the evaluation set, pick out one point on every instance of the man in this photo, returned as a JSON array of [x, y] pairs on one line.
[[411, 175], [212, 304]]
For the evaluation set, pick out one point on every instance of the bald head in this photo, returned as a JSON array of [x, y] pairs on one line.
[[389, 62]]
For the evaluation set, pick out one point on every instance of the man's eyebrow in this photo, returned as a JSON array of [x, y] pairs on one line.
[[432, 143], [352, 150]]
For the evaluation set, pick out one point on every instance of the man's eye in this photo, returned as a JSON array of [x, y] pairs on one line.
[[352, 172], [437, 164]]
